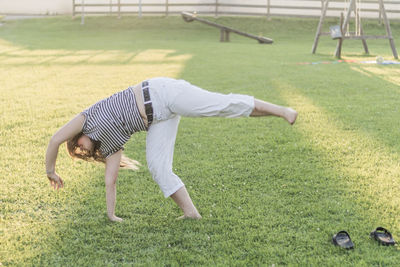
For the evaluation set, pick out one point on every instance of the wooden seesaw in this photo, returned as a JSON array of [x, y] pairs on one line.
[[225, 31]]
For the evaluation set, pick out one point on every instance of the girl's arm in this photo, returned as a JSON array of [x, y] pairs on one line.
[[66, 132], [111, 175]]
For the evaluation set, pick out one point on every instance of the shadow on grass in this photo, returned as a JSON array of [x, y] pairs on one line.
[[356, 151]]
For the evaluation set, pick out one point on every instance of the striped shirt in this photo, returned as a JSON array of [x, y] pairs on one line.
[[112, 121]]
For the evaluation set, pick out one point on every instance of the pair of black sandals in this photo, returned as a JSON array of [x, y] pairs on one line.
[[380, 234]]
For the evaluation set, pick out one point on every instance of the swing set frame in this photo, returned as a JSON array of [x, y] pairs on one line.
[[343, 33]]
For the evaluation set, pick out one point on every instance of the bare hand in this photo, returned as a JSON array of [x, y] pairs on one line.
[[55, 181], [115, 219]]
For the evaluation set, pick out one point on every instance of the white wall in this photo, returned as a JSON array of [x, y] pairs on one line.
[[36, 7]]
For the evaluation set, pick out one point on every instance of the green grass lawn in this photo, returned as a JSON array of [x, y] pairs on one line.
[[269, 193]]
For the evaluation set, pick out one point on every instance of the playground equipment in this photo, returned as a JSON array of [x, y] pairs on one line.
[[341, 32], [225, 31]]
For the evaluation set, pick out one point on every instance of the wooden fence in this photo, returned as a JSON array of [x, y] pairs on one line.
[[308, 8]]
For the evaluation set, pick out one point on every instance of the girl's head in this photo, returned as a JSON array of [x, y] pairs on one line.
[[82, 147]]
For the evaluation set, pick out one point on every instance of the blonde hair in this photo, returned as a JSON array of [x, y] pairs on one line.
[[75, 152]]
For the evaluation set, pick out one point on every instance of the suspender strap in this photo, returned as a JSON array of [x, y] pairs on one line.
[[147, 102]]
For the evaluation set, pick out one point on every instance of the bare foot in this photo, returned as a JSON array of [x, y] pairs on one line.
[[290, 115], [115, 219], [194, 217]]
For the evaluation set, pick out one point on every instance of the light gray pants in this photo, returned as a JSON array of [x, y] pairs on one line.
[[172, 99]]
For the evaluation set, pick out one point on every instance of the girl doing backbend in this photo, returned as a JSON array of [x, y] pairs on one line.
[[156, 105]]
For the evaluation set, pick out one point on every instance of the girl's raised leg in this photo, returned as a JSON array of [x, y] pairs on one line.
[[262, 108]]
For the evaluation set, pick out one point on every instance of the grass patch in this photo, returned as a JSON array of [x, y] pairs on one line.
[[269, 193]]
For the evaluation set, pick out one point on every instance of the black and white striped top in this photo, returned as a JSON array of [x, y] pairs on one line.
[[112, 121]]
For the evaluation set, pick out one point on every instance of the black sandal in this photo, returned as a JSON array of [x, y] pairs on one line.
[[342, 239], [383, 236]]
